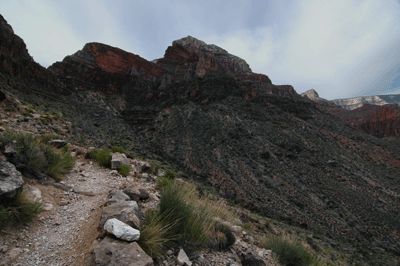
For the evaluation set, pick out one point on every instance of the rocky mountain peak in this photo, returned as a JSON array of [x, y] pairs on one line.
[[311, 94], [201, 48]]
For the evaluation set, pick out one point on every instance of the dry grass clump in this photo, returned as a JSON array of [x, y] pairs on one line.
[[184, 218]]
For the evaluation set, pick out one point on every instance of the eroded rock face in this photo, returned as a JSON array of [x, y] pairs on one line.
[[10, 179], [15, 61]]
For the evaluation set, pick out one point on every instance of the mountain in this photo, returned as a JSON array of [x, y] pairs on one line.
[[204, 112], [376, 115], [353, 103]]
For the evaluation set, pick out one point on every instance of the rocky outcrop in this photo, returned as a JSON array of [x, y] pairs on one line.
[[15, 62], [10, 179], [379, 121], [357, 102]]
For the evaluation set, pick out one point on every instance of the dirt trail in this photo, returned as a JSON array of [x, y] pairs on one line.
[[66, 234]]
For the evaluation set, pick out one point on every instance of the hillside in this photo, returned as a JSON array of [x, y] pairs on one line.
[[203, 112]]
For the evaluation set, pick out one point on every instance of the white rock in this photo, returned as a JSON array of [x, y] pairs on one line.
[[47, 206], [183, 258], [32, 193], [121, 230]]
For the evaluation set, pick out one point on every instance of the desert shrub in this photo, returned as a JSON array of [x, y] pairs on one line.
[[18, 210], [163, 182], [124, 169], [291, 254], [154, 234], [58, 164], [118, 149], [170, 174], [37, 158], [102, 156], [190, 218], [46, 138]]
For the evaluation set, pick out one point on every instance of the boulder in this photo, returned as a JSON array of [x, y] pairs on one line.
[[136, 193], [32, 193], [117, 196], [118, 159], [114, 252], [183, 259], [125, 211], [251, 259], [121, 230], [10, 179], [59, 143]]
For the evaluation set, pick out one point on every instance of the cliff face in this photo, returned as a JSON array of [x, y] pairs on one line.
[[15, 61], [357, 102], [379, 119], [260, 145]]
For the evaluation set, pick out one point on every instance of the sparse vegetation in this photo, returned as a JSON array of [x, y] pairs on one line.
[[37, 158], [102, 156], [124, 169], [118, 149], [188, 219], [289, 253], [18, 210]]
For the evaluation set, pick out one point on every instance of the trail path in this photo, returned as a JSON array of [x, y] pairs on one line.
[[66, 234]]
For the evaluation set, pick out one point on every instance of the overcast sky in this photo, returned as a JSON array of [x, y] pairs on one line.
[[340, 48]]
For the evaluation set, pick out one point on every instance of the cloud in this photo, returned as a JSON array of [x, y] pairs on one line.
[[336, 47]]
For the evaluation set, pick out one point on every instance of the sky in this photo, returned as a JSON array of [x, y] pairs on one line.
[[340, 48]]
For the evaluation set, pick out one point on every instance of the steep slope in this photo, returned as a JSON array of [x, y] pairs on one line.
[[258, 144]]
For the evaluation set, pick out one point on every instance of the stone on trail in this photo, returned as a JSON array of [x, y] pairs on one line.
[[121, 230], [113, 252], [183, 259]]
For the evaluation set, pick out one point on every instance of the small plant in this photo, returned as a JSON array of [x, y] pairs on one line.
[[163, 182], [103, 157], [154, 234], [291, 253], [18, 210], [46, 138], [58, 164], [124, 169], [73, 125], [170, 175], [118, 149]]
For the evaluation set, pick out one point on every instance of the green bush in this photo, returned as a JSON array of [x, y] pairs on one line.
[[291, 254], [46, 138], [170, 175], [18, 210], [58, 164], [163, 182], [37, 158], [124, 169], [118, 149], [103, 156]]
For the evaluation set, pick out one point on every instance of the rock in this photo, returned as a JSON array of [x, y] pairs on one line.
[[117, 196], [2, 129], [332, 163], [59, 143], [10, 179], [32, 193], [14, 253], [183, 259], [113, 252], [125, 211], [250, 259], [47, 206], [136, 193], [118, 159], [121, 230], [10, 148], [4, 248]]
